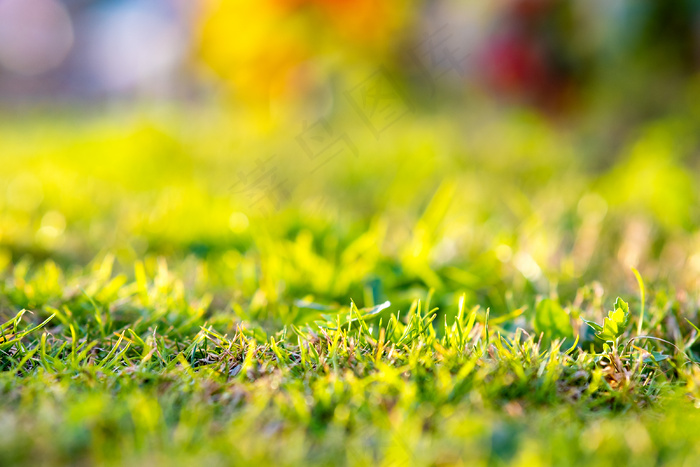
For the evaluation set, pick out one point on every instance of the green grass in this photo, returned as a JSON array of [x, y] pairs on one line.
[[153, 316]]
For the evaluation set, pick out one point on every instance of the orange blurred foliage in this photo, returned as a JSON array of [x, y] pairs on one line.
[[257, 48]]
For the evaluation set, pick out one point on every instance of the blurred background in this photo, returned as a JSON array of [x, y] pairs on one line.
[[559, 56], [324, 149]]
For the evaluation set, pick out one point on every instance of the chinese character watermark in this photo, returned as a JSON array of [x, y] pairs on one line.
[[379, 102], [263, 186]]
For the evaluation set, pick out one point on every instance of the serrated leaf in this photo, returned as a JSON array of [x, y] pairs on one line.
[[620, 304], [615, 323]]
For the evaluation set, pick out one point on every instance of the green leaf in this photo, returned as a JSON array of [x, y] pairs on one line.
[[620, 304], [615, 324], [596, 327], [552, 320], [655, 357]]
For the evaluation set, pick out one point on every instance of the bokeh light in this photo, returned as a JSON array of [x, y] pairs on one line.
[[35, 35]]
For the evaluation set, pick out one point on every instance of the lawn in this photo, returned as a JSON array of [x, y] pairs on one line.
[[181, 287]]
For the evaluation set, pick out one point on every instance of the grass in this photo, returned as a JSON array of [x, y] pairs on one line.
[[434, 299]]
